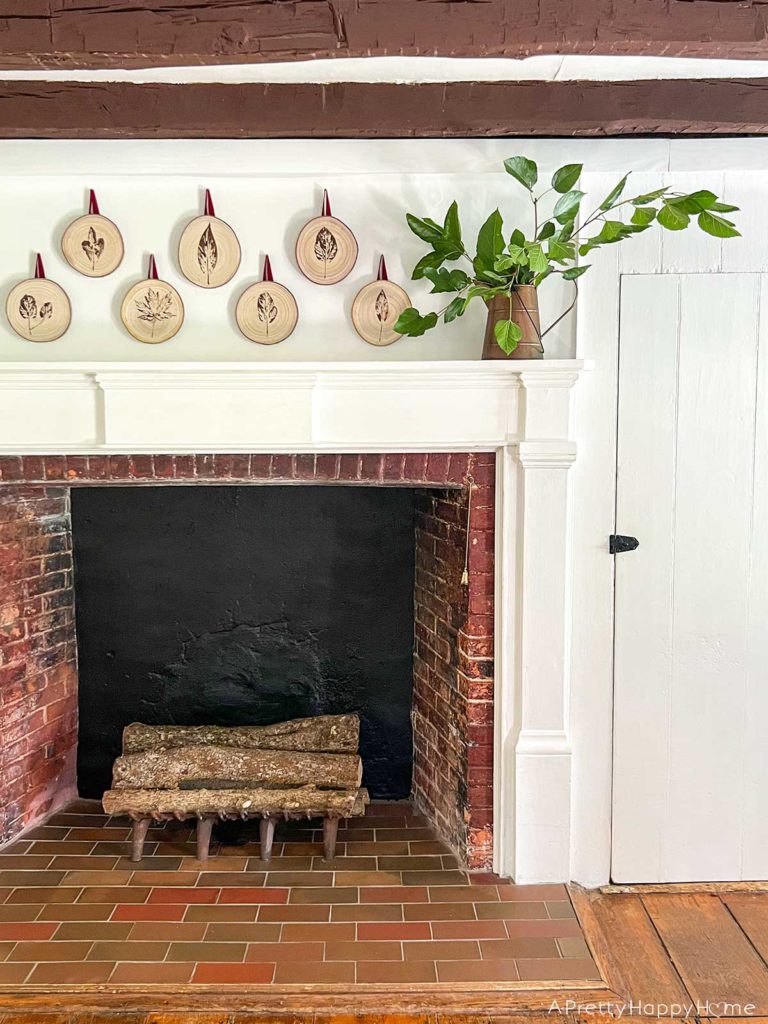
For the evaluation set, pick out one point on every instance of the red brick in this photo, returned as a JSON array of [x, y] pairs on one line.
[[393, 467], [260, 466], [327, 467], [349, 467], [184, 467], [371, 467], [281, 467], [120, 467], [304, 467], [241, 467]]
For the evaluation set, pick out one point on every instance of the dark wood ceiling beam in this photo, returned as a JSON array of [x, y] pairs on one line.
[[139, 33], [111, 110]]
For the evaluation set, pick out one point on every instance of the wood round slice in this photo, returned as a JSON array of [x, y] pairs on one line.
[[375, 311], [209, 252], [152, 311], [326, 250], [93, 246], [38, 309], [266, 313]]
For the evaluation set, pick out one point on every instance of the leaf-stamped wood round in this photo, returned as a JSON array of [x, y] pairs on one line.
[[266, 313], [38, 309], [93, 245], [209, 252], [152, 311], [326, 250], [375, 311]]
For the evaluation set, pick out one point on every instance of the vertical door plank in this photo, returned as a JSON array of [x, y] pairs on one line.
[[713, 497], [645, 509], [751, 911], [641, 254], [712, 955], [748, 190]]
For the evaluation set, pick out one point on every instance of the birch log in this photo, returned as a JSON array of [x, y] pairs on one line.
[[323, 733], [167, 769]]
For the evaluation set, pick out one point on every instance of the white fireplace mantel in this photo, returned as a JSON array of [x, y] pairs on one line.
[[521, 410]]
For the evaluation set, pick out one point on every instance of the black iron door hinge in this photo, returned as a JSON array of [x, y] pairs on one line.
[[617, 543]]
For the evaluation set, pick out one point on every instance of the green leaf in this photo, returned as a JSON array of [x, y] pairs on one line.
[[517, 238], [454, 309], [451, 227], [447, 280], [672, 218], [644, 215], [431, 261], [566, 231], [566, 177], [541, 277], [614, 194], [561, 252], [508, 335], [413, 324], [523, 170], [648, 197], [567, 206], [723, 208], [693, 203], [537, 261], [573, 272], [546, 230], [717, 226], [490, 243], [426, 229], [519, 254]]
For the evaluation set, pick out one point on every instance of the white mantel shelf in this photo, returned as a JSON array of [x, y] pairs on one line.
[[228, 407]]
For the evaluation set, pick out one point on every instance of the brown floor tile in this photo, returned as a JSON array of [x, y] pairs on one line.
[[401, 835], [93, 930], [207, 952], [314, 973], [14, 974], [88, 879], [572, 946], [278, 864], [243, 931], [513, 949], [278, 952], [403, 973], [20, 911], [6, 948], [163, 864], [343, 864], [233, 879], [303, 850], [426, 846], [439, 911], [18, 931], [90, 864], [96, 833], [27, 862], [295, 912], [229, 864], [479, 970], [334, 895], [34, 952], [257, 895], [167, 931], [393, 894], [324, 932], [76, 912], [30, 879], [511, 911], [149, 912], [107, 849], [566, 928], [190, 894], [44, 832], [410, 863], [363, 951], [217, 913], [368, 912], [536, 893], [170, 878], [368, 878], [67, 820], [129, 951], [233, 974], [113, 894], [455, 949], [20, 846], [84, 973], [469, 930], [559, 969], [152, 974], [560, 910], [394, 930], [434, 878], [286, 879], [463, 894]]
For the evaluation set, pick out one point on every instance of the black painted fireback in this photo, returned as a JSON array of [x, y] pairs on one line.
[[245, 605]]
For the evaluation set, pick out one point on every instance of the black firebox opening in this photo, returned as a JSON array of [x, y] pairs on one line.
[[245, 605]]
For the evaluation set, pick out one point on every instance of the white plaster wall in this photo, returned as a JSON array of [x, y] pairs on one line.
[[266, 190]]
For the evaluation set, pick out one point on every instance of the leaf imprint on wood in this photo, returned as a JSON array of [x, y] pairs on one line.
[[326, 248], [382, 310], [154, 307], [266, 309], [28, 311], [93, 247], [207, 253]]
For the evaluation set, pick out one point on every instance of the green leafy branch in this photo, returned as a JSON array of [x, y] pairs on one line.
[[554, 246]]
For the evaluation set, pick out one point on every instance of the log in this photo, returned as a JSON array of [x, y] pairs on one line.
[[167, 769], [308, 801], [322, 734]]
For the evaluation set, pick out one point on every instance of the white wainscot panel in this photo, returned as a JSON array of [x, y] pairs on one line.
[[56, 410]]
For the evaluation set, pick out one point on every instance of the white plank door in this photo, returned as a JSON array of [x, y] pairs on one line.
[[690, 787]]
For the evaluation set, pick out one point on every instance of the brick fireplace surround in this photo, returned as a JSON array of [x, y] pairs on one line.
[[454, 624]]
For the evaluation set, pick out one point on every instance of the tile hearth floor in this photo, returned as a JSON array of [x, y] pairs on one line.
[[392, 908]]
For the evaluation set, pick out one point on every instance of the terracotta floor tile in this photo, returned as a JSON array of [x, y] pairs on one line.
[[363, 951], [394, 835], [411, 972], [512, 949], [511, 911], [189, 894], [286, 879], [229, 864], [113, 894], [88, 879], [6, 948], [280, 864], [434, 878], [163, 864], [107, 849], [14, 974], [233, 974], [537, 893], [559, 969], [152, 974], [26, 862], [76, 912], [207, 952], [324, 932], [368, 912], [89, 972], [95, 833], [219, 913], [257, 895], [295, 912], [232, 879], [20, 911], [29, 879], [277, 952], [454, 949], [61, 846], [167, 931], [242, 931], [439, 911], [479, 970], [420, 847], [463, 894], [149, 912], [34, 952], [560, 910], [91, 864], [570, 946], [395, 930], [166, 878], [394, 894], [344, 864], [43, 832], [368, 878], [566, 928], [342, 894], [314, 973], [93, 931], [19, 931], [70, 820], [411, 863], [469, 930]]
